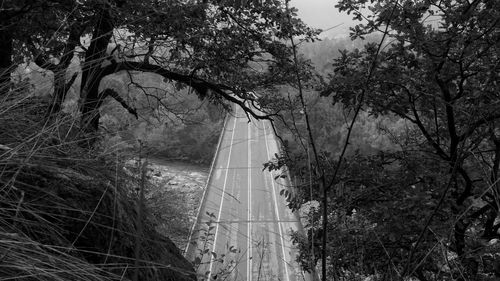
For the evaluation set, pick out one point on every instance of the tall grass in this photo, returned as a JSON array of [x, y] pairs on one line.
[[68, 212]]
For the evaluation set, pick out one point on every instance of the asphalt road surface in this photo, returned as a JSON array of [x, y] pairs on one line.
[[244, 225]]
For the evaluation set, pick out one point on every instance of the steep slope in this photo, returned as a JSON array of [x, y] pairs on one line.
[[69, 213]]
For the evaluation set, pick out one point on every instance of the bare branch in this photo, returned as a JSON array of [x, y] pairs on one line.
[[112, 93]]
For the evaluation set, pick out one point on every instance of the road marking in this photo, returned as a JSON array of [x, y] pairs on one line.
[[249, 234], [221, 201], [277, 211], [205, 191], [254, 221]]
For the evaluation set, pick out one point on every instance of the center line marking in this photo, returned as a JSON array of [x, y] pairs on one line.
[[222, 200], [249, 234]]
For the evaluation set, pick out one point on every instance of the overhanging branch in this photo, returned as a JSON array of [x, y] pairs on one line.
[[201, 86], [112, 93]]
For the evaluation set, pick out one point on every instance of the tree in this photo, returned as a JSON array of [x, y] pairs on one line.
[[443, 79], [205, 45]]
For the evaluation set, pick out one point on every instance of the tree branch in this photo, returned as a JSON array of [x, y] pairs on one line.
[[450, 118], [203, 87], [112, 93], [426, 134], [478, 123], [71, 80]]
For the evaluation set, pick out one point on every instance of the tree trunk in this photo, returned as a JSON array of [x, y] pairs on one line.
[[61, 87], [91, 74], [90, 109]]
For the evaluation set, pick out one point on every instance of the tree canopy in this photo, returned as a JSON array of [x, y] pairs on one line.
[[437, 69], [221, 49], [419, 198]]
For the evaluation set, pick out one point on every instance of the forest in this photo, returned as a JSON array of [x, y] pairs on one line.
[[390, 137]]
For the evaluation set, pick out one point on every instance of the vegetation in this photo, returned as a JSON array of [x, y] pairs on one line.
[[86, 86], [418, 199], [202, 45], [69, 213], [393, 145], [180, 128]]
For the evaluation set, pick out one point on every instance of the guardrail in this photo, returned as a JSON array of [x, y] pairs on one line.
[[313, 276], [207, 185]]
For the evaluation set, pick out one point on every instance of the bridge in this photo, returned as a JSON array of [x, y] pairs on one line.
[[243, 226]]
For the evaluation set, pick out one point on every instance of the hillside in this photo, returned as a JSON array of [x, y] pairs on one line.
[[70, 213]]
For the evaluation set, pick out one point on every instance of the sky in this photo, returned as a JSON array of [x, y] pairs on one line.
[[323, 14]]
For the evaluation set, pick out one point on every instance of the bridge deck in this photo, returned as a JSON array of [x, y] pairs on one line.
[[243, 215]]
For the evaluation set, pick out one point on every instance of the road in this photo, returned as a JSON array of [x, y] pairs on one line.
[[243, 228]]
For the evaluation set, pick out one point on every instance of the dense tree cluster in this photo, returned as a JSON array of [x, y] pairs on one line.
[[427, 204]]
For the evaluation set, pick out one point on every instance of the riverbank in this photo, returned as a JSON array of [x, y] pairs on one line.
[[175, 196]]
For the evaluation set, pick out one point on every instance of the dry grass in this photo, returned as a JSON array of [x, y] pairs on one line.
[[67, 212]]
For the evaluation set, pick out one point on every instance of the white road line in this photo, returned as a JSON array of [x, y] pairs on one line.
[[249, 234], [277, 212], [222, 199], [207, 185]]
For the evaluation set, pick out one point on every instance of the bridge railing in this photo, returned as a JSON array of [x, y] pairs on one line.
[[191, 247]]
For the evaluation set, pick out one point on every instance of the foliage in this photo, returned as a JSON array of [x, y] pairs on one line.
[[434, 197], [416, 195], [92, 50], [207, 45], [329, 127], [174, 124]]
